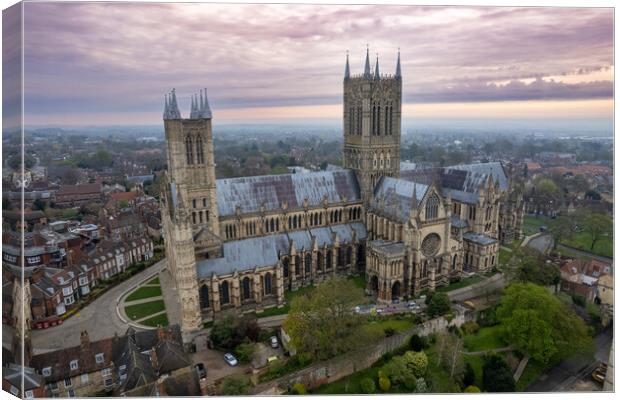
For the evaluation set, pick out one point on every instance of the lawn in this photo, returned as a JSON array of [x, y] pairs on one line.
[[486, 338], [604, 247], [144, 292], [145, 309], [461, 284], [531, 224], [380, 325], [157, 320], [504, 256], [154, 281]]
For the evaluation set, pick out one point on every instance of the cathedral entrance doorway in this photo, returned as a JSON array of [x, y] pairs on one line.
[[374, 285], [396, 290]]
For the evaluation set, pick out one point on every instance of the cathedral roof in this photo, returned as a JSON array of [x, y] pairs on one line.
[[394, 197], [479, 238], [272, 191], [264, 251]]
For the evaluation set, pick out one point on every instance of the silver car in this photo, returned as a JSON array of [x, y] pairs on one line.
[[230, 359]]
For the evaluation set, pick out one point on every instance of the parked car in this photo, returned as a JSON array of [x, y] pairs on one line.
[[230, 359], [598, 376], [201, 370], [379, 311], [272, 359], [274, 342]]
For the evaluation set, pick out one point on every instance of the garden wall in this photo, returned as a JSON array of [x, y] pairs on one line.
[[336, 368]]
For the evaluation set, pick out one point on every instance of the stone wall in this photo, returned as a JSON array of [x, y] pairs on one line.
[[336, 368]]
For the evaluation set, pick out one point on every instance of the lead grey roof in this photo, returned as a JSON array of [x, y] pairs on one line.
[[479, 238], [459, 223], [387, 246], [397, 197], [264, 251], [273, 190], [494, 168]]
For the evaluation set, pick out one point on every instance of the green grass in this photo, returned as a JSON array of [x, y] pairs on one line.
[[380, 325], [531, 224], [360, 281], [154, 281], [486, 338], [461, 284], [157, 320], [504, 256], [144, 292], [145, 309], [604, 246]]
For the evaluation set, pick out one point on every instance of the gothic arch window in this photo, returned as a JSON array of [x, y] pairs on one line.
[[374, 119], [320, 218], [247, 289], [351, 120], [189, 151], [290, 222], [328, 262], [199, 151], [374, 161], [277, 224], [319, 261], [391, 116], [454, 263], [266, 225], [378, 120], [381, 161], [224, 295], [432, 207], [204, 296], [285, 267], [272, 225], [359, 120], [267, 282], [307, 262], [349, 255], [194, 217], [297, 265], [387, 132]]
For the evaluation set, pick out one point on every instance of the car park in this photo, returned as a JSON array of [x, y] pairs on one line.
[[230, 359], [274, 342]]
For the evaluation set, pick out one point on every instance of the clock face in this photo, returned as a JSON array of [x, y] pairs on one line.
[[430, 244]]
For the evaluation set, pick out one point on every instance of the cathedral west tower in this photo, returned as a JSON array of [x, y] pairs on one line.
[[371, 124]]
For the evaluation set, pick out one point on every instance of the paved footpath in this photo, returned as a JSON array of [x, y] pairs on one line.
[[99, 318]]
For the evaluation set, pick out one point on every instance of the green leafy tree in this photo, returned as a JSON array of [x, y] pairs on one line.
[[532, 267], [471, 389], [596, 225], [496, 375], [245, 351], [438, 305], [417, 362], [561, 229], [417, 343], [469, 376], [323, 323], [539, 324]]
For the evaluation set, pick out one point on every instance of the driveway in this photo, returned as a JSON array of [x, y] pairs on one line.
[[541, 243], [217, 368], [99, 318]]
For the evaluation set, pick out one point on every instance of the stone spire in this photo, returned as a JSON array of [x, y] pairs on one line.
[[166, 107], [377, 76], [205, 110], [174, 112], [414, 202], [192, 108], [347, 72], [367, 65], [398, 76]]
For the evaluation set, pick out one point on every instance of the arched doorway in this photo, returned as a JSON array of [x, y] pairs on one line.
[[396, 290]]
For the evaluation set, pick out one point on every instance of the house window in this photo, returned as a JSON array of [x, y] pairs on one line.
[[47, 371], [99, 358], [106, 372], [73, 365], [84, 378], [54, 386], [71, 393], [14, 390], [68, 382], [29, 394], [107, 383]]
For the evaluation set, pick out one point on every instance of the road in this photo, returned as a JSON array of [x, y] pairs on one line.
[[563, 375], [541, 243], [99, 318]]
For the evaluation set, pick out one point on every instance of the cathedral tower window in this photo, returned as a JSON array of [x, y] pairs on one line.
[[432, 207], [359, 120], [189, 151], [378, 120], [351, 130], [391, 116], [199, 151], [387, 131]]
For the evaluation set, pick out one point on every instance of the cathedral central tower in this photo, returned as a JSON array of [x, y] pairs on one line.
[[371, 124]]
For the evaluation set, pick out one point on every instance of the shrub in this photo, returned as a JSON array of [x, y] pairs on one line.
[[417, 343], [245, 352], [421, 386], [384, 383], [299, 388], [368, 386], [438, 305], [417, 362], [396, 370], [233, 386], [471, 389], [389, 331], [579, 300], [469, 375], [471, 327]]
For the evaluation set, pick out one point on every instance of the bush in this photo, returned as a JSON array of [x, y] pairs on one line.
[[470, 327], [438, 305], [469, 375], [233, 386], [417, 343], [579, 300], [384, 383], [421, 386], [368, 386], [471, 389], [245, 352], [416, 362], [396, 369], [299, 388], [389, 331]]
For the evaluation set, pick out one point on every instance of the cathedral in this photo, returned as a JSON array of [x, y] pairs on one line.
[[240, 243]]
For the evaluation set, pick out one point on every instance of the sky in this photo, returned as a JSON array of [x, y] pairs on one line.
[[112, 63]]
